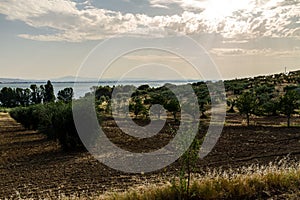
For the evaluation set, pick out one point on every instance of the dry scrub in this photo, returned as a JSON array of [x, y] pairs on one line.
[[254, 182]]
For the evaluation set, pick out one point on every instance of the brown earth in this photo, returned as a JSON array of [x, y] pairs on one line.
[[33, 167]]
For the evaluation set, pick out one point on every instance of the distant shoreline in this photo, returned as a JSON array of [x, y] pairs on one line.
[[111, 81]]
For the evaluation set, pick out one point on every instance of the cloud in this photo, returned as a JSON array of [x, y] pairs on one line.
[[234, 41], [152, 58], [71, 24], [233, 19], [254, 52], [185, 4], [242, 19], [238, 51], [159, 6]]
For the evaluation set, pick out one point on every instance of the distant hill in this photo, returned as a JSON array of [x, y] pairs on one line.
[[61, 79], [73, 79], [17, 80], [292, 74]]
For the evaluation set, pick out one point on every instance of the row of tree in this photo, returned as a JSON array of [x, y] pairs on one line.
[[270, 95], [260, 99], [146, 99], [37, 108], [249, 103], [13, 97], [55, 120]]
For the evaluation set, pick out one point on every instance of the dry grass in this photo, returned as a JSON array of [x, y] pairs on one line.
[[254, 182], [275, 181]]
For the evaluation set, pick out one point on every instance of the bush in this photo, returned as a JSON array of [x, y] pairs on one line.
[[55, 120], [24, 116], [64, 127]]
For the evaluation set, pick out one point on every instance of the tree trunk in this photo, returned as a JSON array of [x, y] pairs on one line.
[[288, 120], [248, 119], [174, 115], [189, 177], [231, 110]]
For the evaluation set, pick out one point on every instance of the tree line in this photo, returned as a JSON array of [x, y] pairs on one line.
[[141, 103], [37, 108], [13, 97], [260, 96], [271, 95], [252, 103], [261, 99]]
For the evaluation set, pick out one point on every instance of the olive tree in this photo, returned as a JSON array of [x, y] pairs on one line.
[[246, 104], [65, 95], [173, 106], [288, 103]]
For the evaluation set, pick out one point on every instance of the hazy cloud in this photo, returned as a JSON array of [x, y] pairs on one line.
[[233, 19], [254, 52]]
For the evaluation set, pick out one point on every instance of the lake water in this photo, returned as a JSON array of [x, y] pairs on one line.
[[83, 87]]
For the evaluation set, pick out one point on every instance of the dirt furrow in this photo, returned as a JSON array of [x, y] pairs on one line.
[[32, 166]]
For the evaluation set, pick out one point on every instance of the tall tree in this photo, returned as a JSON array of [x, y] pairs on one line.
[[22, 96], [26, 97], [173, 107], [231, 103], [102, 91], [19, 96], [203, 100], [65, 95], [40, 94], [137, 106], [49, 93], [34, 93], [288, 103], [8, 97], [246, 104]]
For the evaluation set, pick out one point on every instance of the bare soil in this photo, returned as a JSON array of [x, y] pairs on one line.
[[33, 167]]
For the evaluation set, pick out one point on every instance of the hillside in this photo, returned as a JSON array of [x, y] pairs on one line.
[[34, 164]]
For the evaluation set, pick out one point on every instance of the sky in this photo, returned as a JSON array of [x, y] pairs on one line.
[[44, 39]]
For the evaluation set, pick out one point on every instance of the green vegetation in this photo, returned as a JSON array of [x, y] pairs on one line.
[[10, 97], [258, 96], [36, 107], [265, 95], [137, 107], [49, 93], [246, 104], [53, 119], [65, 95], [288, 103], [5, 110], [187, 166]]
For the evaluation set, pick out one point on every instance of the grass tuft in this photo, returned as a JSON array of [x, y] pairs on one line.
[[254, 182]]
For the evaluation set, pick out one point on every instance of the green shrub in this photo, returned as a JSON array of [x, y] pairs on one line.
[[55, 120]]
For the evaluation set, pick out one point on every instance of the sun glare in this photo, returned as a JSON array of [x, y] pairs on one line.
[[218, 9]]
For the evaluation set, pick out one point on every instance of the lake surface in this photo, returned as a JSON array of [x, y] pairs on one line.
[[81, 88]]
